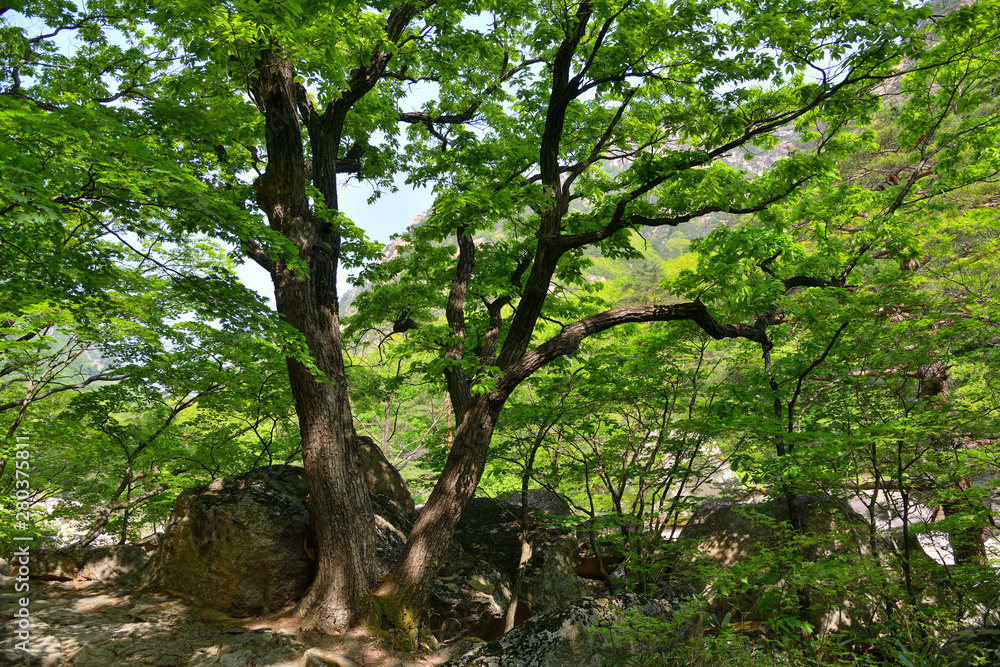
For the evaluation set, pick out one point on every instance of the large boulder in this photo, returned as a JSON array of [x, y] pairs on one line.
[[475, 584], [567, 637], [754, 541], [538, 500], [246, 544], [119, 565], [381, 477]]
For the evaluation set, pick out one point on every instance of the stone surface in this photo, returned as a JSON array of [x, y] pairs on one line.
[[470, 597], [120, 565], [101, 626], [246, 544], [972, 646], [541, 500], [239, 544], [149, 543], [564, 638], [475, 584], [380, 477], [729, 536]]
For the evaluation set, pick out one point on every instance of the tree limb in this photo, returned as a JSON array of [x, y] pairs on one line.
[[568, 340], [100, 377]]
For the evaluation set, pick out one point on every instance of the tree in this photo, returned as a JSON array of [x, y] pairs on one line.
[[664, 93]]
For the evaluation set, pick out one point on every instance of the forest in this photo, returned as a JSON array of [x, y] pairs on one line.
[[679, 254]]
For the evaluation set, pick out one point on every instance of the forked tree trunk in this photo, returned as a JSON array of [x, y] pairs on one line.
[[400, 599]]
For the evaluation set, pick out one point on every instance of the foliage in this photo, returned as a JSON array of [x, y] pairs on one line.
[[818, 183]]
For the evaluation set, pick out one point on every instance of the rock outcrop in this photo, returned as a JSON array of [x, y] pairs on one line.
[[475, 585], [381, 477], [119, 565], [756, 536], [566, 637], [245, 544]]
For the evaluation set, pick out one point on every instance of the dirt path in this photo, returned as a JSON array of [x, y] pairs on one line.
[[86, 624]]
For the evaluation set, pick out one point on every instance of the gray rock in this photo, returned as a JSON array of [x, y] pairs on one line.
[[550, 580], [246, 544], [240, 658], [729, 536], [54, 564], [475, 584], [972, 646], [380, 477], [93, 656], [239, 544], [541, 500], [490, 530], [120, 565], [283, 656], [469, 597], [149, 543], [566, 638], [204, 657]]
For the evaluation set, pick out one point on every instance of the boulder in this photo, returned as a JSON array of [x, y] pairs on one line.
[[972, 646], [542, 500], [246, 544], [119, 565], [475, 583], [491, 531], [567, 637], [757, 538], [150, 542], [381, 477]]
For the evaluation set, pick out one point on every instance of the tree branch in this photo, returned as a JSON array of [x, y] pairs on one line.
[[458, 383], [568, 340], [620, 221], [100, 377]]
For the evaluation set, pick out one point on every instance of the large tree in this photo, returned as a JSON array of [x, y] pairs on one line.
[[639, 117], [594, 118]]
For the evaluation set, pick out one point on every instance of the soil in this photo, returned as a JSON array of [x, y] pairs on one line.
[[87, 624]]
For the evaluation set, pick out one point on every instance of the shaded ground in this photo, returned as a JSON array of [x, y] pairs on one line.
[[85, 624]]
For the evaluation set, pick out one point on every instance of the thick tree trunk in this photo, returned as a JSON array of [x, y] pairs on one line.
[[338, 498], [400, 598]]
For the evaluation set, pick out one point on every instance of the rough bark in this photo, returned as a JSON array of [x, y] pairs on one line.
[[338, 499], [400, 598]]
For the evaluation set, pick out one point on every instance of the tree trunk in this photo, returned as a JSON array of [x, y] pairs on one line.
[[400, 598], [338, 498], [967, 544]]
